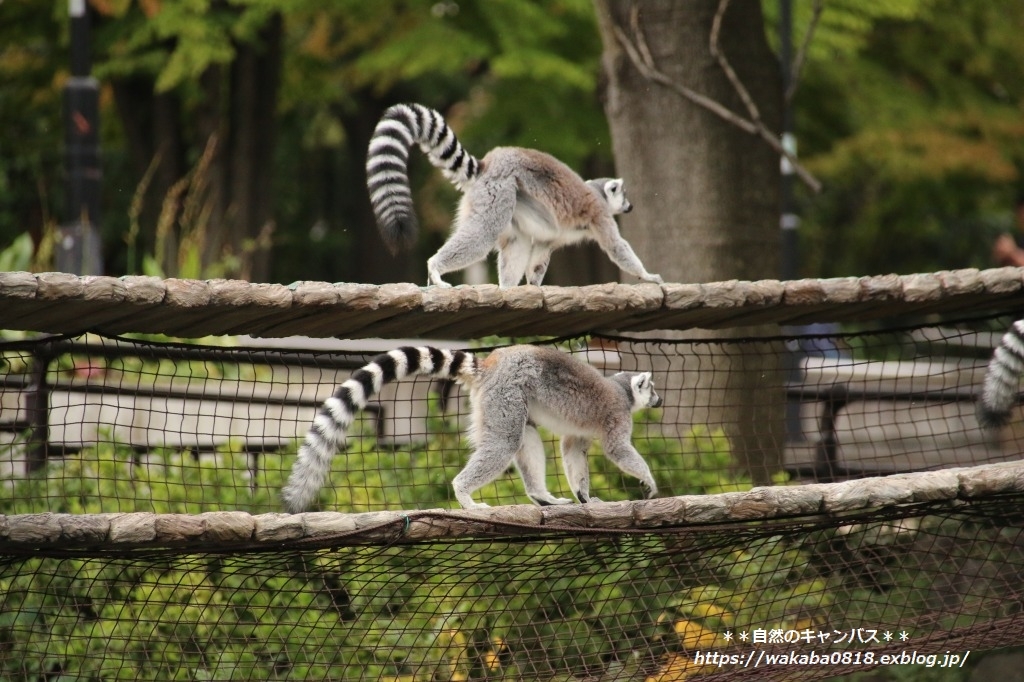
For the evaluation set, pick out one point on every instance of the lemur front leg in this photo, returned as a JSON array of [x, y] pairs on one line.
[[618, 447], [606, 234]]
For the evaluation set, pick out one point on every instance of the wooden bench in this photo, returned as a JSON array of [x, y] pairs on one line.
[[862, 417]]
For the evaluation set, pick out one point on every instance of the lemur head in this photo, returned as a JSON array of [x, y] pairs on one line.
[[614, 194], [641, 389]]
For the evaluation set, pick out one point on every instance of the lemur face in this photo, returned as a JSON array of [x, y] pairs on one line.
[[615, 195], [643, 391]]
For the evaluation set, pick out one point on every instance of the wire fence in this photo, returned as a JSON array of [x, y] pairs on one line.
[[92, 425], [930, 585], [131, 425]]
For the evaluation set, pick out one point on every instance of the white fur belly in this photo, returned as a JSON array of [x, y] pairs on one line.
[[555, 423], [532, 221], [570, 236]]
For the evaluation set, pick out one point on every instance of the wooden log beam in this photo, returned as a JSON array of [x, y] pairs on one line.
[[68, 304], [50, 533]]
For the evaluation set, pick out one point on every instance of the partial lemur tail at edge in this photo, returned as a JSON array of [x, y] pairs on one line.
[[1002, 379], [387, 176], [327, 433]]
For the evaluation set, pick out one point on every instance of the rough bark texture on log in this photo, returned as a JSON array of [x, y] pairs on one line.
[[224, 531], [68, 304]]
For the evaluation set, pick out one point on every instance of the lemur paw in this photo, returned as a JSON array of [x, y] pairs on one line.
[[653, 278]]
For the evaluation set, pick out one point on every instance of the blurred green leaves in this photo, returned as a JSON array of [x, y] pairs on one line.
[[909, 110]]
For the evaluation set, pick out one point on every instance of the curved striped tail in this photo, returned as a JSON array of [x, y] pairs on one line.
[[327, 434], [1002, 379], [387, 176]]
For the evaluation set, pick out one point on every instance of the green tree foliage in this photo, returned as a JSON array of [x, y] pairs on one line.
[[504, 72], [176, 42], [910, 112], [522, 73], [30, 111]]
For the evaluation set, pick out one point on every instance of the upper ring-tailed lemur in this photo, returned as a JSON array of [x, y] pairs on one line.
[[513, 390], [1002, 379], [521, 201]]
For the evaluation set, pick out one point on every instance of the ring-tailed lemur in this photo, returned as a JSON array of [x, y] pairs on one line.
[[1002, 379], [523, 202], [512, 391]]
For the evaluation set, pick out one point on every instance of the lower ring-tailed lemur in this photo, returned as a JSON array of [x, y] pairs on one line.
[[999, 392], [521, 201], [513, 390]]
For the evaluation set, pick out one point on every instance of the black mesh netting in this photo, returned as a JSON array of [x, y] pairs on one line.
[[97, 425], [107, 425], [798, 599]]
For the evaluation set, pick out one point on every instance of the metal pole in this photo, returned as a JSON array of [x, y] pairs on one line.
[[37, 409], [789, 221], [78, 249]]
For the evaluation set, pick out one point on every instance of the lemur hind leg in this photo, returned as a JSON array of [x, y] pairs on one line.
[[483, 216], [540, 258], [499, 422], [577, 469], [513, 259], [530, 461]]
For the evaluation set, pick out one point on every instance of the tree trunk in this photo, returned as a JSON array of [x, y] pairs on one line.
[[212, 129], [255, 77], [151, 128], [705, 196]]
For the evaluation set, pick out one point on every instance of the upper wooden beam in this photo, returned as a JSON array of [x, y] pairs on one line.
[[63, 303]]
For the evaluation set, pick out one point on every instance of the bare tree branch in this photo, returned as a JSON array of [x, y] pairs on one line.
[[716, 27], [640, 55], [641, 41], [801, 55]]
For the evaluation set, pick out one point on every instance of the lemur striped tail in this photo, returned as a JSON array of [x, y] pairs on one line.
[[999, 393], [387, 176], [327, 433]]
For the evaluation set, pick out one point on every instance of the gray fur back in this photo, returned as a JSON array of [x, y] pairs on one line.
[[387, 176]]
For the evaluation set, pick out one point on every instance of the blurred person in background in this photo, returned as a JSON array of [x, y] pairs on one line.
[[1009, 248]]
